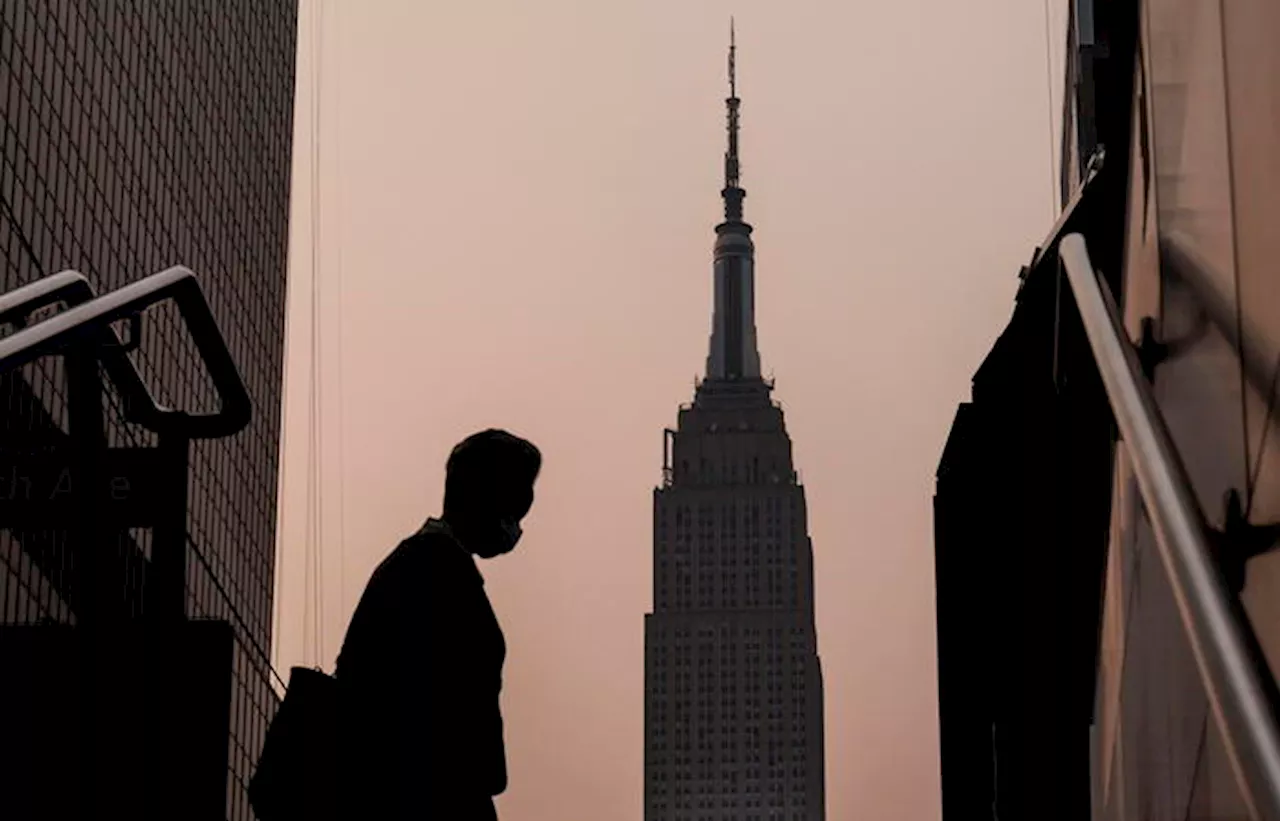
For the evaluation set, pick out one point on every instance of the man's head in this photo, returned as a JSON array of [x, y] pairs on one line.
[[488, 489]]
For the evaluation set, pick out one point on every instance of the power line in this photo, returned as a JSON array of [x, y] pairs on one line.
[[341, 385], [309, 538], [315, 533], [1048, 71], [319, 355]]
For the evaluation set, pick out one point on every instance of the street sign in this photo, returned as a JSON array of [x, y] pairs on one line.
[[45, 490]]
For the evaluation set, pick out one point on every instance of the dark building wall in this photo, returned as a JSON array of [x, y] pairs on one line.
[[1024, 491], [1020, 529], [135, 136], [963, 567]]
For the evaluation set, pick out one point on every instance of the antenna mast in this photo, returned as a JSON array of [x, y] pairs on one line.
[[732, 193]]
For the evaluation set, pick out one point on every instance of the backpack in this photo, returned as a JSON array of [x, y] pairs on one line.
[[297, 774]]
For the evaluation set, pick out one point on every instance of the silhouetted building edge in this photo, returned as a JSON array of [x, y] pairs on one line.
[[1022, 506]]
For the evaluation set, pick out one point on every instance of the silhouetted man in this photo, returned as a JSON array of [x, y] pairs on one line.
[[421, 667]]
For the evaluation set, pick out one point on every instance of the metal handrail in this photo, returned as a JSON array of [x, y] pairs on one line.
[[94, 315], [18, 305], [72, 288], [1227, 670]]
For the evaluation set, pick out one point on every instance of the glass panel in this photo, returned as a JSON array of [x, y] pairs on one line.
[[1112, 635], [1216, 794], [1141, 298], [1162, 703], [1251, 28], [1252, 79], [1184, 50], [1199, 389]]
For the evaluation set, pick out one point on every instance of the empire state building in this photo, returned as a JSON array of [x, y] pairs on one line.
[[733, 683]]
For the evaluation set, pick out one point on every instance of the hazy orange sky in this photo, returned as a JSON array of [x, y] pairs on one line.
[[516, 205]]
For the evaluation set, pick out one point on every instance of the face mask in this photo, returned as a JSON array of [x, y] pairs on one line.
[[511, 532], [488, 538]]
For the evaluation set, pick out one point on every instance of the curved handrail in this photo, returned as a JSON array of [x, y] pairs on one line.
[[95, 314], [17, 305], [1227, 670], [73, 288]]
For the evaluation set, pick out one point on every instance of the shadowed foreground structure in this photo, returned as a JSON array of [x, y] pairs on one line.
[[135, 137], [1106, 586]]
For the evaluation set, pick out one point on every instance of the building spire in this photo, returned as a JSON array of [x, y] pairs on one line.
[[732, 193], [733, 46], [734, 355]]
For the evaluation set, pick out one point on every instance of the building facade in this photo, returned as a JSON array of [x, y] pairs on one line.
[[733, 681], [1068, 682], [1199, 267], [135, 137]]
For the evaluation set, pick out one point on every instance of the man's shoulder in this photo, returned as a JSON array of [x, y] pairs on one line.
[[431, 554]]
